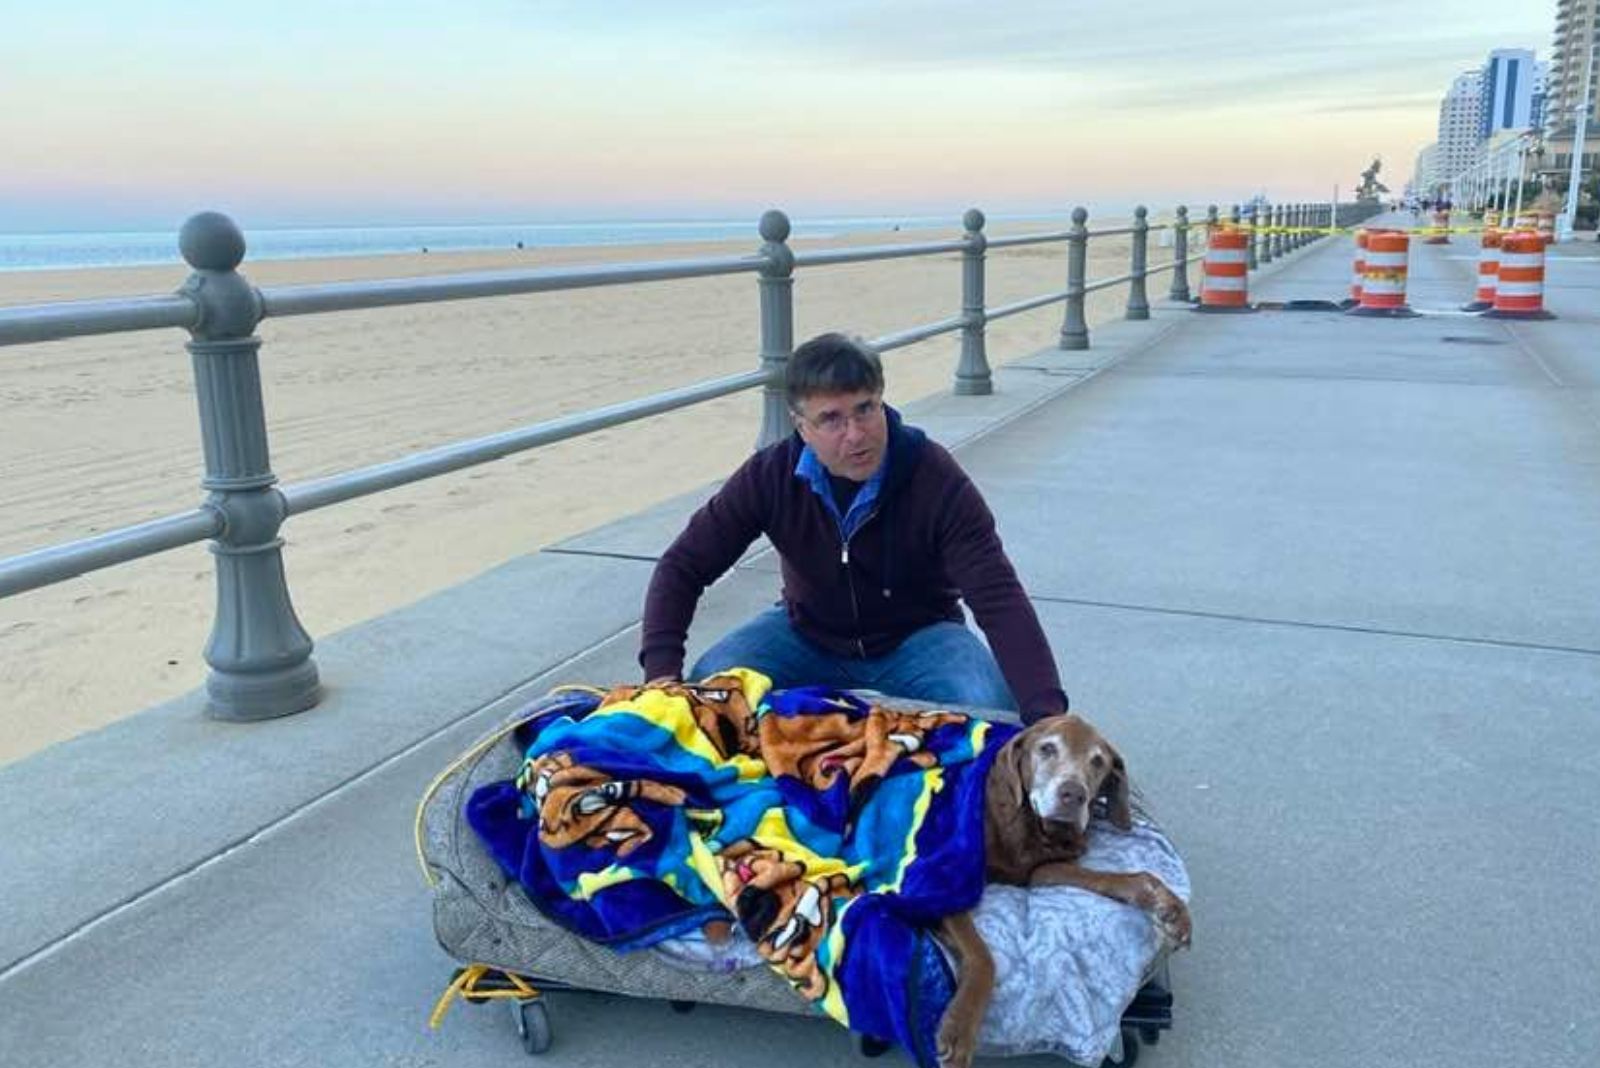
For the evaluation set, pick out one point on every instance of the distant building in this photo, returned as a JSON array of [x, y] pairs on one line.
[[1505, 92], [1541, 86], [1460, 116], [1577, 42], [1425, 174]]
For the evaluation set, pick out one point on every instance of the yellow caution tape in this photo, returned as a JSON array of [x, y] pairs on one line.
[[1247, 228]]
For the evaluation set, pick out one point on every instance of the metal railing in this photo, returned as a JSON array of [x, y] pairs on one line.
[[259, 654]]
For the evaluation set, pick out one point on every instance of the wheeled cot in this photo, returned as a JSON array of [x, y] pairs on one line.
[[1077, 975]]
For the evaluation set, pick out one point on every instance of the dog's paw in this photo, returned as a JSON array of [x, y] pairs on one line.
[[1166, 910], [1172, 919], [957, 1042]]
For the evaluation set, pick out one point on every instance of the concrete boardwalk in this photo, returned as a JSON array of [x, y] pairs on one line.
[[1329, 582]]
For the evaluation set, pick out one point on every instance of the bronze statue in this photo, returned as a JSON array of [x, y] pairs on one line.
[[1370, 187]]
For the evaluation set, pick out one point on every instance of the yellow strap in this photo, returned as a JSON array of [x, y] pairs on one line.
[[442, 1006], [466, 985]]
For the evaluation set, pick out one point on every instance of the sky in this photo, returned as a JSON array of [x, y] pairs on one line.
[[117, 114]]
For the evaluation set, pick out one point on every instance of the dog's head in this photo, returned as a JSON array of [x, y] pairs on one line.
[[1059, 766]]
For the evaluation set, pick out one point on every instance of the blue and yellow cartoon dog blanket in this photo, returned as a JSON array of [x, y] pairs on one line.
[[836, 834]]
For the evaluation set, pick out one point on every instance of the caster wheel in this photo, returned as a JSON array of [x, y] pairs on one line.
[[682, 1007], [872, 1047], [533, 1025], [1130, 1051], [1149, 1035]]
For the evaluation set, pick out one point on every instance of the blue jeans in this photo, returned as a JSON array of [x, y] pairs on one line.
[[943, 662]]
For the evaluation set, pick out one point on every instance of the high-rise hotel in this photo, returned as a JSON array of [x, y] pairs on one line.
[[1576, 44], [1460, 116]]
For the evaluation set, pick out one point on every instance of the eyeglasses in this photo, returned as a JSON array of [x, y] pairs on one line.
[[834, 423]]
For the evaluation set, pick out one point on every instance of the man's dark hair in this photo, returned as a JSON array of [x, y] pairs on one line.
[[832, 363]]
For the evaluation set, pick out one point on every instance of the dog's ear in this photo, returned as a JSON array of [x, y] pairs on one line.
[[1007, 777], [1115, 790], [1021, 771]]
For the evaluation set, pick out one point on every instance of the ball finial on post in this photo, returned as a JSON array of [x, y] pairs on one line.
[[774, 225], [210, 241], [973, 220]]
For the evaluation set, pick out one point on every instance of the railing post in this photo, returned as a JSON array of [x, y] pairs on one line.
[[1233, 215], [1267, 235], [260, 655], [1075, 328], [1138, 302], [1299, 226], [1180, 257], [777, 324], [1252, 255], [972, 374], [1280, 219]]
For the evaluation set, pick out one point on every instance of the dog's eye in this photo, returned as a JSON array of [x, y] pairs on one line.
[[1097, 761], [1048, 750]]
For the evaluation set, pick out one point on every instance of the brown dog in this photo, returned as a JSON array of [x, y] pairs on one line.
[[1037, 801]]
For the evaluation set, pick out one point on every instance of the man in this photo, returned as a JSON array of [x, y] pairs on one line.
[[878, 531]]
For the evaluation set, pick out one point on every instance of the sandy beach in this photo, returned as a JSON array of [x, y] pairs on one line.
[[100, 433]]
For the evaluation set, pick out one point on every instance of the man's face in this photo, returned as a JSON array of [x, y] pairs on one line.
[[849, 432]]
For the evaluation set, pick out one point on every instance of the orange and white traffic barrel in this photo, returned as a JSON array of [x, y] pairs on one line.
[[1383, 282], [1519, 288], [1226, 286], [1488, 271], [1547, 227], [1360, 267], [1439, 233]]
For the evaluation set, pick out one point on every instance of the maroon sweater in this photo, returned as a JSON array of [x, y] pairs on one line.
[[931, 540]]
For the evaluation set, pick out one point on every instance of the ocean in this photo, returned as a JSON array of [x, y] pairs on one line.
[[44, 251]]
